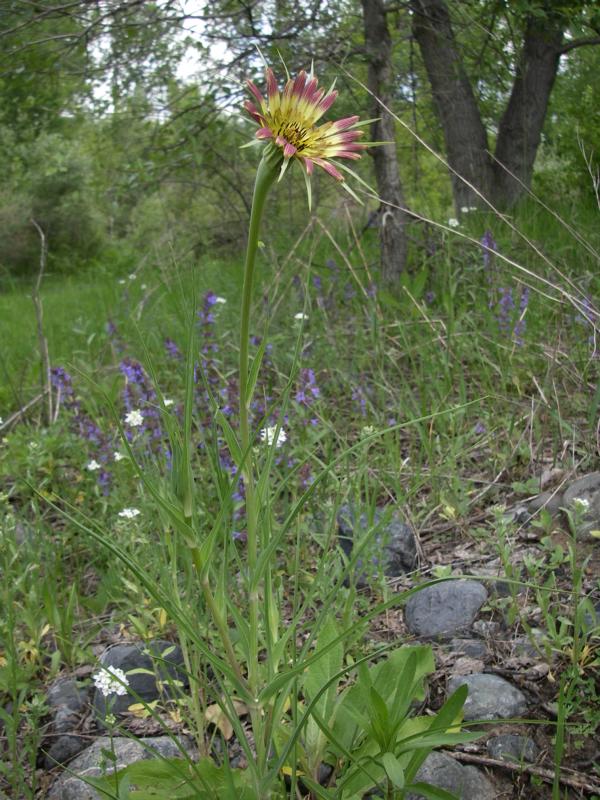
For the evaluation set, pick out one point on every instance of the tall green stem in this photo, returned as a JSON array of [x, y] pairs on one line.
[[265, 176]]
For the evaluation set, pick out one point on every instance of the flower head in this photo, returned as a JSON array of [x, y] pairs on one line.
[[111, 680], [93, 465], [129, 513], [134, 418], [288, 119], [268, 435]]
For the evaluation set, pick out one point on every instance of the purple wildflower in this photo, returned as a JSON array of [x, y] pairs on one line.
[[308, 391], [359, 397], [488, 244], [172, 350], [520, 324], [82, 424], [506, 307]]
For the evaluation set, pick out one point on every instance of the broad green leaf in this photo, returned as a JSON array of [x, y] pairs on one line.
[[322, 673], [393, 769]]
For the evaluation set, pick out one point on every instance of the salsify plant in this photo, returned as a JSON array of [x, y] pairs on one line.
[[326, 720]]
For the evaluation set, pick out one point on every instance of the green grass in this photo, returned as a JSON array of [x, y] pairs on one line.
[[472, 413]]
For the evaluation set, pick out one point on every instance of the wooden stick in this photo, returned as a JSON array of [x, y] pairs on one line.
[[547, 775]]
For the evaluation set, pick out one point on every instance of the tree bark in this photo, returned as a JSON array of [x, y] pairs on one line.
[[392, 221], [456, 106], [520, 128], [521, 125]]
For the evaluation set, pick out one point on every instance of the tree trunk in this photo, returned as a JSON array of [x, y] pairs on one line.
[[521, 125], [464, 132], [392, 221]]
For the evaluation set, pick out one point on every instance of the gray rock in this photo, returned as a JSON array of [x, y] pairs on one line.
[[70, 786], [474, 648], [393, 545], [524, 647], [511, 747], [63, 749], [486, 628], [518, 515], [65, 692], [467, 783], [445, 608], [159, 670], [587, 489], [68, 702], [490, 697], [552, 502]]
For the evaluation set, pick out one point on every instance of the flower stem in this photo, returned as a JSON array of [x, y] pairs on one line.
[[265, 176]]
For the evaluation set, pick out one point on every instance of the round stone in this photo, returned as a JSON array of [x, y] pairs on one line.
[[511, 747], [490, 697], [445, 608]]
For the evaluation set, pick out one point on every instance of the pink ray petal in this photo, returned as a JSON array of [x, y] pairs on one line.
[[264, 133], [272, 88], [255, 92], [347, 122], [299, 84], [327, 102], [329, 168], [309, 164], [253, 111], [347, 154], [289, 150], [310, 88]]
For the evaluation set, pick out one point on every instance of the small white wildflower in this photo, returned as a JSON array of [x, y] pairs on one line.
[[268, 435], [300, 316], [368, 430], [111, 680], [453, 222], [221, 300], [132, 276], [93, 465], [582, 502], [134, 418], [143, 286], [129, 513], [464, 209], [167, 401], [118, 456], [122, 281]]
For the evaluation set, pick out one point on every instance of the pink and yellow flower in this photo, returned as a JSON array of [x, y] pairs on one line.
[[288, 119]]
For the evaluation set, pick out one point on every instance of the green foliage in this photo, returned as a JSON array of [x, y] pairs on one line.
[[154, 779]]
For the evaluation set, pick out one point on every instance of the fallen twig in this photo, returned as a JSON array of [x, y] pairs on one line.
[[577, 781]]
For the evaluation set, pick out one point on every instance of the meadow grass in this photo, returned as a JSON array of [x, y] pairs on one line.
[[500, 389]]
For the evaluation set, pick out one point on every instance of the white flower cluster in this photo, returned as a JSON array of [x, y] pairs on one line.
[[134, 418], [129, 513], [111, 680], [300, 316], [268, 435], [93, 466], [453, 222]]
